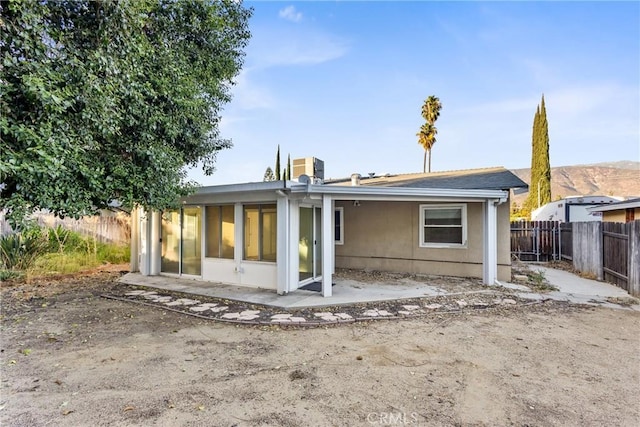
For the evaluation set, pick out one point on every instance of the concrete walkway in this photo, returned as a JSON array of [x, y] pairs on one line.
[[578, 290]]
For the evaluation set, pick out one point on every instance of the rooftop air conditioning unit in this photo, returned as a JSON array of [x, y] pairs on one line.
[[309, 166]]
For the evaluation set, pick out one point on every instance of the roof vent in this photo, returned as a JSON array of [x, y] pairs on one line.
[[355, 179]]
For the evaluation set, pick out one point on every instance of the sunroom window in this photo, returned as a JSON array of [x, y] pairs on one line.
[[260, 232], [220, 231], [443, 225]]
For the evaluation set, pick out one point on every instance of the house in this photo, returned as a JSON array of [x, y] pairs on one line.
[[623, 211], [282, 235], [572, 209]]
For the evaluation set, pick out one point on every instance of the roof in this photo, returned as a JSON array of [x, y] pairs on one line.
[[496, 178], [625, 204], [471, 184]]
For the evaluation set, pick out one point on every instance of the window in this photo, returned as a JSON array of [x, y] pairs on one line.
[[260, 232], [443, 226], [338, 226], [220, 231]]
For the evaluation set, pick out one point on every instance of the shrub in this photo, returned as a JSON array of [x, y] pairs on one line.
[[9, 274], [18, 251], [64, 240]]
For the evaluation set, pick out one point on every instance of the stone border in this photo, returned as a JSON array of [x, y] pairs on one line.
[[235, 312]]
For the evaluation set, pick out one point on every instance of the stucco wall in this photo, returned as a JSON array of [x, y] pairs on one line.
[[619, 215], [385, 236]]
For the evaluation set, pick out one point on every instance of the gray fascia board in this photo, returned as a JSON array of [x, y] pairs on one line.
[[615, 206], [347, 192], [246, 187], [361, 192], [203, 194]]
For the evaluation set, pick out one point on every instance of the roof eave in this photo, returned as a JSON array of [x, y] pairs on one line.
[[615, 207], [406, 192]]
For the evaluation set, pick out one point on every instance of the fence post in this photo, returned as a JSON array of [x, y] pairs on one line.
[[633, 261], [559, 241], [537, 242]]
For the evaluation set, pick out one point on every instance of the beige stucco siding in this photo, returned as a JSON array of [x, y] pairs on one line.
[[385, 236], [619, 215]]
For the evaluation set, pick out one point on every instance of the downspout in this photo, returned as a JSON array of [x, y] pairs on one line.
[[496, 203]]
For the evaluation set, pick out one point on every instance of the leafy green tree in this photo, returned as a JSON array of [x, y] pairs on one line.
[[540, 183], [104, 101], [428, 131], [268, 174], [278, 176]]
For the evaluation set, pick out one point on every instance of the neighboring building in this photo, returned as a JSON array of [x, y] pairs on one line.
[[572, 209], [624, 211], [283, 235]]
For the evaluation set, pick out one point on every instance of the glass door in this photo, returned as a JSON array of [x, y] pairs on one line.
[[191, 254], [318, 240], [310, 244], [170, 236], [181, 241], [306, 244]]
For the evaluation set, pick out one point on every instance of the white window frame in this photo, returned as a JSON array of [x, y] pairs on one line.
[[339, 209], [463, 220]]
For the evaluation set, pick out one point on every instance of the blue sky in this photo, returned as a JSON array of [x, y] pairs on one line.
[[345, 81]]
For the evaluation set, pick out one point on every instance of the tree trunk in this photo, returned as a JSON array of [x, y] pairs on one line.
[[429, 160], [424, 162]]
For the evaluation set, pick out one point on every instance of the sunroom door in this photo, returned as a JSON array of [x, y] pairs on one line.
[[191, 254], [170, 242], [181, 248], [310, 262]]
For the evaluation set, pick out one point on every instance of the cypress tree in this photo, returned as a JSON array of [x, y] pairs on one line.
[[544, 165], [288, 174], [540, 183], [278, 164]]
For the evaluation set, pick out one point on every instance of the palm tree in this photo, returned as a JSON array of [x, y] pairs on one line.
[[426, 138], [427, 135]]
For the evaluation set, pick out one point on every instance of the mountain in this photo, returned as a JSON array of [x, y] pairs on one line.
[[620, 179]]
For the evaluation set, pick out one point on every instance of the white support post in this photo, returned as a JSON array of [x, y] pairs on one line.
[[155, 246], [294, 240], [144, 256], [490, 243], [283, 257], [238, 236], [135, 240], [327, 245]]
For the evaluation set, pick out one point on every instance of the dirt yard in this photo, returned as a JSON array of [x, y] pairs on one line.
[[69, 357]]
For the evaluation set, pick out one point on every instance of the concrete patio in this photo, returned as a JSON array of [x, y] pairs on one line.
[[344, 291], [353, 290]]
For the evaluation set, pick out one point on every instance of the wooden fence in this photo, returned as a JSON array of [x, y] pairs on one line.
[[566, 241], [536, 240], [605, 250], [106, 228], [621, 260]]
